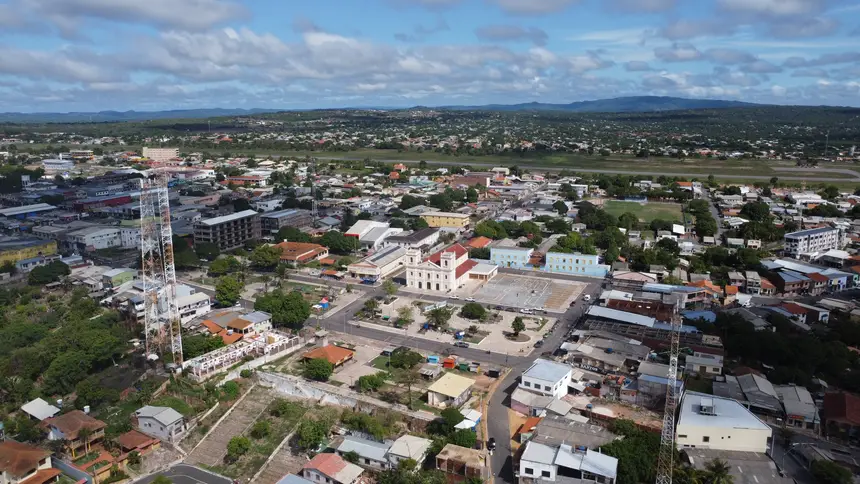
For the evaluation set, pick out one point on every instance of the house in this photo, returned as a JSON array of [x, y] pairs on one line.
[[134, 441], [331, 469], [300, 252], [163, 422], [336, 355], [39, 409], [77, 429], [842, 415], [565, 463], [460, 463], [25, 464], [452, 390], [371, 455], [408, 447], [800, 409], [547, 378], [575, 264], [511, 257], [451, 220], [711, 422], [704, 364]]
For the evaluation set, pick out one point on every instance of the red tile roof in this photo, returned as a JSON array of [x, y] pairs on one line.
[[19, 459], [229, 339], [817, 277], [731, 290], [794, 308], [42, 476], [844, 407], [71, 423], [457, 249], [333, 354], [480, 242], [464, 268], [133, 440], [529, 425], [328, 464]]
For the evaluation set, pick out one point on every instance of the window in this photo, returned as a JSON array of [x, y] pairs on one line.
[[682, 436], [706, 439], [527, 383], [547, 388], [530, 471], [545, 473]]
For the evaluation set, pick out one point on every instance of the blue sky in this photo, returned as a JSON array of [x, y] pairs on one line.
[[88, 55]]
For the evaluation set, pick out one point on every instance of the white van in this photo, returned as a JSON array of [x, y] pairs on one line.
[[586, 298]]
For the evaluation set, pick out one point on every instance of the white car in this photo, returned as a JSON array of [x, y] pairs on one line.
[[455, 297], [525, 311], [586, 298], [470, 299]]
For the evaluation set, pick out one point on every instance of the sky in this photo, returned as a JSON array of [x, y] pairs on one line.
[[92, 55]]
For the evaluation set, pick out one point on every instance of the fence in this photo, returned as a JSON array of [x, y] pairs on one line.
[[72, 471]]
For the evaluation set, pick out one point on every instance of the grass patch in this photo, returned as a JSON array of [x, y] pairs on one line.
[[80, 461], [175, 403], [477, 337], [380, 363], [646, 212]]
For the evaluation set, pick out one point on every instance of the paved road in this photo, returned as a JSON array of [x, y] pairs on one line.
[[186, 474], [646, 173], [712, 206]]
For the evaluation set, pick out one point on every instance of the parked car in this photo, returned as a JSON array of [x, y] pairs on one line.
[[470, 299], [586, 298], [455, 297], [491, 444], [526, 311], [539, 343], [461, 344]]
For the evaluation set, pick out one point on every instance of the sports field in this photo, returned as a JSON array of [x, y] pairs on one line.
[[646, 212]]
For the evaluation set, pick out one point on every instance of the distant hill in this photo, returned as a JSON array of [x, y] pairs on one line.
[[117, 116], [632, 104]]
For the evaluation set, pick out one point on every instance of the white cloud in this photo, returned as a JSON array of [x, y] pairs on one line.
[[533, 7], [504, 33], [776, 8], [678, 52], [183, 14]]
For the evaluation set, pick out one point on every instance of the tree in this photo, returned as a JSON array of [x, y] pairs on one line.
[[408, 377], [207, 250], [773, 181], [48, 273], [706, 226], [518, 325], [198, 344], [231, 390], [404, 358], [241, 204], [223, 265], [557, 226], [228, 290], [311, 434], [265, 257], [351, 456], [718, 472], [289, 310], [390, 288], [292, 234], [628, 220], [560, 207], [66, 371], [756, 211], [830, 192], [134, 458], [369, 383], [829, 472], [473, 310], [439, 317], [261, 429], [404, 315], [371, 305], [237, 447], [318, 369], [472, 195]]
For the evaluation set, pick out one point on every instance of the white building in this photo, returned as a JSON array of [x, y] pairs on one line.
[[544, 463], [408, 447], [424, 238], [130, 237], [57, 166], [160, 155], [711, 422], [96, 238], [547, 378], [813, 240], [378, 265], [370, 234], [445, 270], [192, 305]]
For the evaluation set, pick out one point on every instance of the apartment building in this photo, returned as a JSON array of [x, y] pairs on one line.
[[813, 240], [450, 220], [160, 155], [274, 221], [575, 264], [512, 257], [228, 232]]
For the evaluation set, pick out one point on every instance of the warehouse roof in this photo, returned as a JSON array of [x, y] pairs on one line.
[[703, 410], [228, 218], [624, 317]]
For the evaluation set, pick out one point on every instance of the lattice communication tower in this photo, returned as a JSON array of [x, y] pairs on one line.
[[666, 459], [161, 314]]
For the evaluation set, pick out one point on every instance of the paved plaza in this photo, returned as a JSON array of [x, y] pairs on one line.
[[528, 292]]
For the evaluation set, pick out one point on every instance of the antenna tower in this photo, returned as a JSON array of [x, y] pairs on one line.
[[161, 314], [666, 459], [314, 212]]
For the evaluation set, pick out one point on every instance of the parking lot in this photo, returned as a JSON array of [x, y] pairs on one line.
[[527, 292]]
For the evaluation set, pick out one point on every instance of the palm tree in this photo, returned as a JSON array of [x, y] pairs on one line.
[[718, 472], [687, 475]]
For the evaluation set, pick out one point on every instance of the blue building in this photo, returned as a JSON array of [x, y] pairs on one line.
[[575, 264], [512, 257]]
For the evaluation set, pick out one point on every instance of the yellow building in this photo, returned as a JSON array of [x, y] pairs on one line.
[[446, 219], [16, 249]]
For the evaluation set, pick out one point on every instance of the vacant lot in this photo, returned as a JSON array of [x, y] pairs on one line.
[[646, 212]]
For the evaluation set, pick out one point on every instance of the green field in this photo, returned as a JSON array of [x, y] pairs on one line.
[[646, 212]]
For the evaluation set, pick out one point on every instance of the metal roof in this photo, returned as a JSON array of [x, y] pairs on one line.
[[727, 413], [228, 218], [614, 314], [547, 370], [363, 447]]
